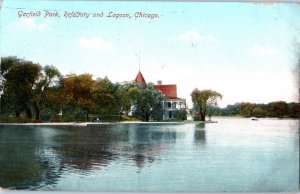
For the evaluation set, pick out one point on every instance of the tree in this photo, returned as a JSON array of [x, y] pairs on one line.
[[7, 101], [49, 77], [203, 99], [108, 98], [278, 109], [246, 109], [78, 91], [7, 63], [125, 98], [20, 77], [258, 112], [294, 110], [158, 114], [146, 100]]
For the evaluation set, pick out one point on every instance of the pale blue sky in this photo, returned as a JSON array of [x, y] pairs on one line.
[[243, 50]]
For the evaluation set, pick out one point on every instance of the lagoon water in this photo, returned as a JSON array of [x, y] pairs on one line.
[[234, 155]]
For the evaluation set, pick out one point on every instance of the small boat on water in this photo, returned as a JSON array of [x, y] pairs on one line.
[[254, 119]]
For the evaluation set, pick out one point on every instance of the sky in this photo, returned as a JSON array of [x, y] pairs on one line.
[[245, 51]]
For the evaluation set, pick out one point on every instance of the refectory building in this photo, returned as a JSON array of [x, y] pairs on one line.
[[172, 102]]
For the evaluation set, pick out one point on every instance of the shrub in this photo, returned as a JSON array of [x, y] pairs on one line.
[[196, 117], [180, 114]]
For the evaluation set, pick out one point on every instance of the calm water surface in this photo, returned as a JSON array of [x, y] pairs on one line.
[[232, 155]]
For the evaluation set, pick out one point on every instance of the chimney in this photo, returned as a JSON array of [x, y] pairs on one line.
[[159, 82]]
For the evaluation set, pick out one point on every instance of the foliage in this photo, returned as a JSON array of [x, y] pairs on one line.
[[19, 78], [157, 115], [54, 100], [72, 113], [9, 119], [258, 112], [196, 117], [49, 77], [124, 96], [146, 101], [294, 110], [278, 109], [246, 109], [180, 114], [107, 97], [203, 99], [78, 91]]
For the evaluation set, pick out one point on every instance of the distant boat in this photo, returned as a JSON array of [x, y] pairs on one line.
[[254, 119]]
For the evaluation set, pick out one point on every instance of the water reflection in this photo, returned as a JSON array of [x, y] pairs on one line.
[[32, 156], [200, 137], [83, 148], [88, 148], [150, 157], [24, 161]]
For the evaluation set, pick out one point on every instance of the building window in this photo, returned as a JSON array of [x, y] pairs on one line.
[[169, 104], [173, 105]]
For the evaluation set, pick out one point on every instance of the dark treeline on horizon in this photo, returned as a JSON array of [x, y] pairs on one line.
[[278, 109]]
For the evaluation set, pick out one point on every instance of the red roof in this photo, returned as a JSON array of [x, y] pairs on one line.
[[140, 79], [170, 91]]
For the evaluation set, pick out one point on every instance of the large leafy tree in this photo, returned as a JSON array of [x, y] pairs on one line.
[[78, 91], [19, 78], [278, 109], [49, 77], [146, 100], [203, 99], [124, 96], [6, 64], [6, 99], [107, 97]]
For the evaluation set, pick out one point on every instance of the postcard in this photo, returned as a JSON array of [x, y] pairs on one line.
[[149, 96]]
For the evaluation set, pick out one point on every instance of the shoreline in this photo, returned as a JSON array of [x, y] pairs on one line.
[[215, 120], [91, 123]]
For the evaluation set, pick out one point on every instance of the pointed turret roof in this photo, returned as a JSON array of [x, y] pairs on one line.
[[140, 79]]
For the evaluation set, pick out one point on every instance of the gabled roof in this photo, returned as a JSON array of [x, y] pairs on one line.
[[170, 91], [140, 79]]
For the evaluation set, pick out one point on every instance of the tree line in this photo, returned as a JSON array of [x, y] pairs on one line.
[[31, 92], [279, 109]]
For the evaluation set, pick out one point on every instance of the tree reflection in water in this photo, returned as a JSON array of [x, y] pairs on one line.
[[95, 146], [200, 137], [25, 161], [85, 148], [147, 143], [35, 157]]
